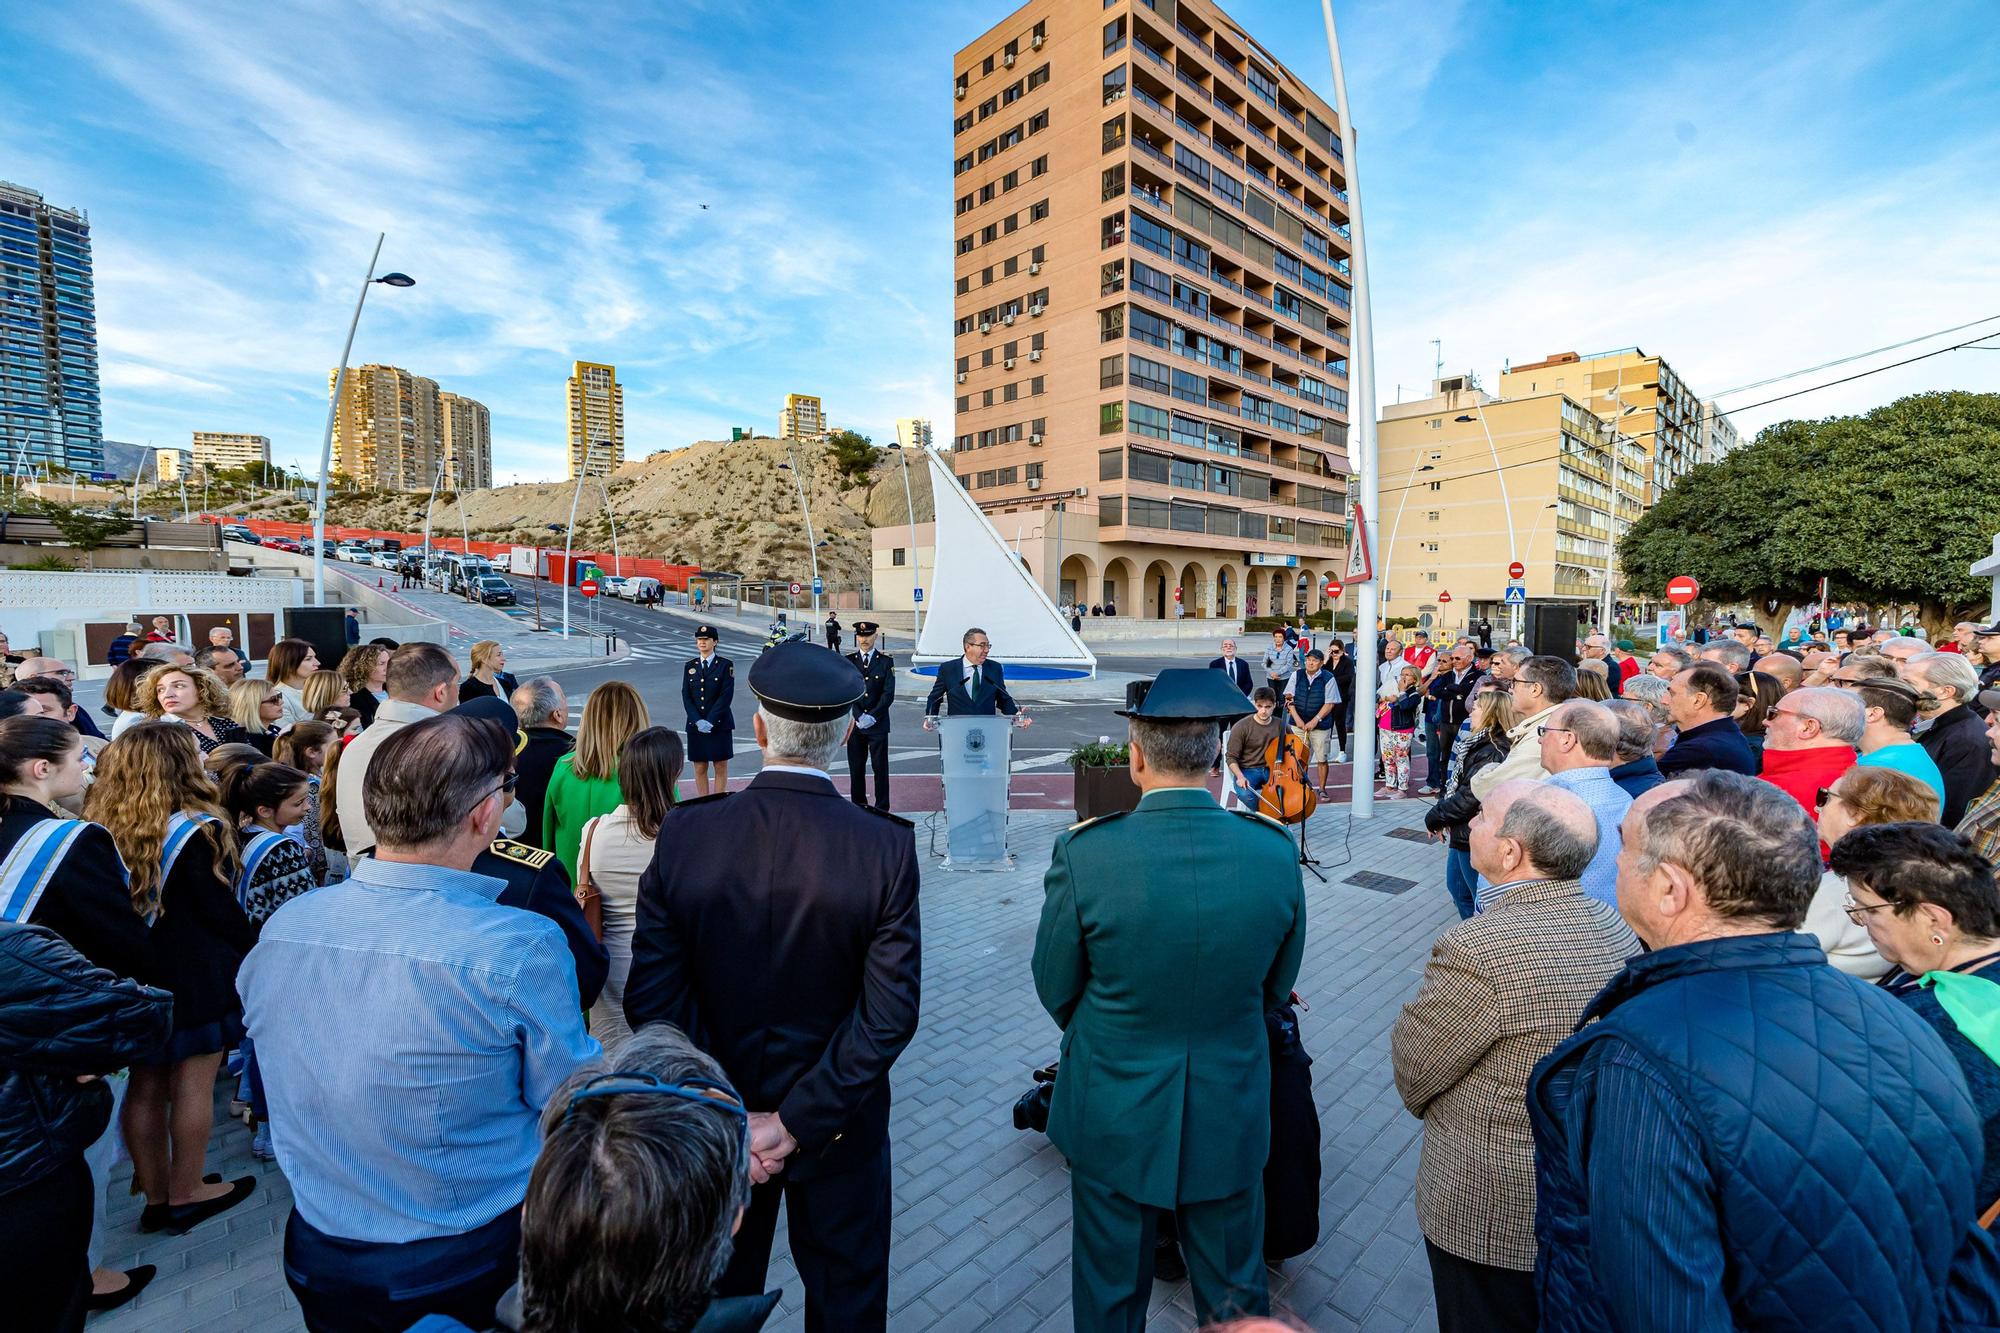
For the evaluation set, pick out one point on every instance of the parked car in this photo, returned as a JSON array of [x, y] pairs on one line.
[[640, 588], [387, 560], [282, 544], [233, 532], [494, 590], [613, 586], [353, 551]]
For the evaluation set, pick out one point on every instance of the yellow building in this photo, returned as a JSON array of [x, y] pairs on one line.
[[596, 418], [465, 442], [217, 449], [913, 433], [803, 417], [172, 464], [1461, 471], [1150, 335], [1650, 402], [386, 432]]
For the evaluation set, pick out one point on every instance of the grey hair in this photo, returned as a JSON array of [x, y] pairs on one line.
[[813, 744], [1729, 653], [1595, 729], [1517, 655], [1947, 670], [1648, 689], [206, 658], [535, 699], [1556, 830], [1556, 677], [1177, 748], [1680, 655], [1839, 712], [633, 1198], [1871, 666], [966, 638], [1637, 727], [1908, 649], [1747, 843], [164, 652]]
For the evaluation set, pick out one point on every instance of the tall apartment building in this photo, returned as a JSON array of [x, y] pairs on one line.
[[1152, 309], [596, 418], [1468, 478], [465, 442], [1719, 436], [913, 433], [172, 464], [219, 449], [803, 417], [50, 408], [386, 432], [1648, 400]]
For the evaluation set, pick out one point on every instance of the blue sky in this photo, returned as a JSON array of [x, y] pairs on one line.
[[1746, 189]]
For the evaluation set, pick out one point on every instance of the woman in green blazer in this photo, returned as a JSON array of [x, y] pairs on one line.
[[584, 784]]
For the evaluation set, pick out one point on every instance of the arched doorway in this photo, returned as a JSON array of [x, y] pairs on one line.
[[1158, 585], [1194, 589], [1121, 587], [1077, 582], [1225, 589]]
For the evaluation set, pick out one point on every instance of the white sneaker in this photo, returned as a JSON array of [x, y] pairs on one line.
[[1340, 758]]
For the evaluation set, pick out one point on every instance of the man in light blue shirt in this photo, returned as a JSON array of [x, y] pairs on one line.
[[409, 1030], [1890, 708], [1579, 744]]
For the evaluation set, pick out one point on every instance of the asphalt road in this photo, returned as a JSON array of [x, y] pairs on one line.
[[1064, 714]]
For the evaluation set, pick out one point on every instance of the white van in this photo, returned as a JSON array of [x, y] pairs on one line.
[[640, 588]]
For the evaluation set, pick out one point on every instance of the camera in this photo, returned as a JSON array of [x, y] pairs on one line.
[[1032, 1110]]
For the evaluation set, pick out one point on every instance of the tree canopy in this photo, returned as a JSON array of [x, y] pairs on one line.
[[1891, 507], [853, 455]]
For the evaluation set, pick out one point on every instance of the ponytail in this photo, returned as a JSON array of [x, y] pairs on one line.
[[254, 787]]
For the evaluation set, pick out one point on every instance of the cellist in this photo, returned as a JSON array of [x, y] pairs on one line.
[[1248, 748]]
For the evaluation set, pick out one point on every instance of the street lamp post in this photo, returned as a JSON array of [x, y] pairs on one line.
[[1608, 607], [569, 537], [916, 572], [333, 411], [1506, 506], [812, 548], [1389, 551]]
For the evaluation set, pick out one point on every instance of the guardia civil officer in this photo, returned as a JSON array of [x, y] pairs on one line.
[[708, 687], [869, 741], [799, 973], [1165, 935]]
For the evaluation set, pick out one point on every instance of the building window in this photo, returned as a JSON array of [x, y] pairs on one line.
[[988, 107], [1038, 210], [964, 286], [1110, 464], [1110, 418], [965, 245], [1035, 386], [1010, 181], [1114, 133], [1111, 324], [1008, 476], [1034, 472], [965, 204], [990, 232], [1114, 85], [1039, 167], [1110, 372], [1014, 92], [1040, 425], [897, 556], [1111, 511], [1038, 77], [1114, 35], [965, 402], [962, 165], [1038, 122]]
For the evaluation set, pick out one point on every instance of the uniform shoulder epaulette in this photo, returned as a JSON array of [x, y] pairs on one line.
[[893, 819], [532, 857], [1260, 817], [1096, 821], [700, 800]]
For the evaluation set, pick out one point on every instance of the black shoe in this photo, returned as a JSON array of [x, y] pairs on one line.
[[136, 1280], [1168, 1266], [179, 1219], [154, 1215]]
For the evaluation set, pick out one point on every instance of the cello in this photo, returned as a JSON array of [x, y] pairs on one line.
[[1288, 797]]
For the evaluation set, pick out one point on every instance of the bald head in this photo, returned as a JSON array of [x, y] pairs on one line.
[[1586, 735], [1529, 830], [1784, 667], [39, 666]]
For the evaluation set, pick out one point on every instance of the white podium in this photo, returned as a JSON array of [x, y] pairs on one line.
[[975, 752]]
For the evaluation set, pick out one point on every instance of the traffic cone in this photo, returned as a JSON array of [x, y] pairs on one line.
[[379, 583]]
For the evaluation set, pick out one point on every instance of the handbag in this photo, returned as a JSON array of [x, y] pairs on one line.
[[587, 896]]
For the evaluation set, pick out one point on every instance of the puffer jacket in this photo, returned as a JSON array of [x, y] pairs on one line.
[[61, 1017], [1835, 1148], [1452, 815]]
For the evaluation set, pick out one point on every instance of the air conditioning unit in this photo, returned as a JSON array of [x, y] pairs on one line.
[[1034, 483], [961, 377], [961, 92], [1035, 439], [1008, 364], [1006, 319], [1035, 267], [1008, 60], [1036, 309], [1035, 42], [986, 326], [1080, 492], [1034, 354]]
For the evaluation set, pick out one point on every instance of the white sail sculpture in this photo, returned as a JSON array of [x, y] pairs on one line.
[[978, 580]]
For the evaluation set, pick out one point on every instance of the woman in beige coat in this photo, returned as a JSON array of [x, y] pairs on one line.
[[616, 849]]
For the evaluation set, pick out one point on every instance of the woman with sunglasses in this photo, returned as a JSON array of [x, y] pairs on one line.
[[1860, 798], [1341, 664], [1930, 904]]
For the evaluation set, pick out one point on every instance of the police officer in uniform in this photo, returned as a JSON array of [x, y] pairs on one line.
[[708, 687], [869, 741], [800, 975], [537, 882], [1166, 933]]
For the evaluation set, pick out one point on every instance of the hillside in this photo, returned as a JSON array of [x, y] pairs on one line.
[[720, 504]]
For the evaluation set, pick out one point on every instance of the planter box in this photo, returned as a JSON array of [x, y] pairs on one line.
[[1104, 791]]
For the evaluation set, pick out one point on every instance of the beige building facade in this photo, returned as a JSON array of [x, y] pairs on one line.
[[386, 431], [1642, 393], [1152, 308], [465, 442], [803, 418], [914, 433], [172, 464], [596, 404], [218, 449]]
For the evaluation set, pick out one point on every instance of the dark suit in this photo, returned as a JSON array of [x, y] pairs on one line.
[[532, 769], [706, 694], [949, 691], [1239, 672], [878, 679], [800, 976], [538, 883]]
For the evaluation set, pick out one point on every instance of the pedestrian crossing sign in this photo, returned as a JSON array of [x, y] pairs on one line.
[[1516, 595]]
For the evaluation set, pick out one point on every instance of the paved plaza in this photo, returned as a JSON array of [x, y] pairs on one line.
[[982, 1226]]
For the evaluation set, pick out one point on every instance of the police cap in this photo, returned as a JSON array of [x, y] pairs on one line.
[[1191, 694], [865, 627], [706, 632], [495, 709], [803, 682]]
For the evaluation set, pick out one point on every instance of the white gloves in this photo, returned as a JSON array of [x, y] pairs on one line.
[[865, 721], [704, 727]]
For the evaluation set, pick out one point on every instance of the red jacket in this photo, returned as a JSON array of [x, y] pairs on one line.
[[1801, 773]]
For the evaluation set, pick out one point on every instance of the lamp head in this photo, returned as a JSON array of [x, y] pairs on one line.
[[1463, 417], [397, 280]]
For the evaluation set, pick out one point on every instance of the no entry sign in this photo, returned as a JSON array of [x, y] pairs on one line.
[[1517, 570], [1682, 590], [1334, 587], [1444, 598], [588, 587]]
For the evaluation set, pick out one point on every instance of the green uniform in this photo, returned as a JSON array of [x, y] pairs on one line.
[[1165, 935]]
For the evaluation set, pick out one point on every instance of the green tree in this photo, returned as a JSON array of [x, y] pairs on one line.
[[78, 527], [1891, 507], [853, 454]]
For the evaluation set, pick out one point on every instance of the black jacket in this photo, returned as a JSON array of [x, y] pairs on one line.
[[1237, 670], [61, 1017], [949, 694], [532, 769], [88, 903], [1343, 676], [201, 935], [1957, 743], [1452, 815], [878, 682], [537, 882], [1454, 698], [799, 974]]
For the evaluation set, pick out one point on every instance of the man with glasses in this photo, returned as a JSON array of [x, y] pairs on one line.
[[368, 997], [54, 668], [1540, 686], [1809, 741], [971, 684], [1579, 745]]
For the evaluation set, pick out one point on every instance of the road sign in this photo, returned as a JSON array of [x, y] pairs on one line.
[[1444, 598], [818, 587], [1682, 590], [1334, 587], [1360, 569], [918, 596], [796, 590], [1517, 595], [1177, 594], [1517, 570], [588, 587]]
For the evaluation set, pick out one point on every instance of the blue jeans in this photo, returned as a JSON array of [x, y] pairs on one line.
[[1461, 881], [1253, 782]]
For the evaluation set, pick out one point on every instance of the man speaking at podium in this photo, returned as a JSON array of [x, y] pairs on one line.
[[971, 686]]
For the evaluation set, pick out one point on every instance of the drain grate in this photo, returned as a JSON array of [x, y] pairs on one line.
[[1410, 834], [1380, 883]]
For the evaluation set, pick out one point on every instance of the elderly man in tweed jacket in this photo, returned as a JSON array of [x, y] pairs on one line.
[[1501, 990]]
